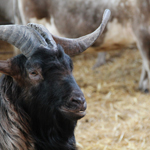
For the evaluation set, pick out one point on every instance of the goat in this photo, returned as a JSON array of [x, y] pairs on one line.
[[40, 101]]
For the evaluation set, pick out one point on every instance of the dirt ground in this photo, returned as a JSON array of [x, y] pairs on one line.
[[118, 113]]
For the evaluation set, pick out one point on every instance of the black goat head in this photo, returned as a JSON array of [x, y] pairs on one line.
[[44, 70]]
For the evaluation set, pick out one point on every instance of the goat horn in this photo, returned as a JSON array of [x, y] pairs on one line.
[[23, 37], [45, 34], [75, 46]]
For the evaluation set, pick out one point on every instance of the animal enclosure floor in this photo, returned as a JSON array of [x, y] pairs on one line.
[[118, 114]]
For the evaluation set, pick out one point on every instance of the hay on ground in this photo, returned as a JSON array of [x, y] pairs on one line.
[[118, 113]]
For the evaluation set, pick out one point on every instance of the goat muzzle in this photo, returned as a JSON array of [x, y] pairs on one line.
[[75, 108]]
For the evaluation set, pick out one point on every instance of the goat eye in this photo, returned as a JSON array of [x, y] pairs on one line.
[[33, 73]]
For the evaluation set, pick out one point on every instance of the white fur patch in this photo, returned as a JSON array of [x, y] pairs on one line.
[[117, 34], [114, 3], [111, 3], [20, 6], [132, 2]]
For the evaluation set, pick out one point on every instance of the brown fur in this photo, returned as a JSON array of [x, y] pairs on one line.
[[36, 8], [14, 131]]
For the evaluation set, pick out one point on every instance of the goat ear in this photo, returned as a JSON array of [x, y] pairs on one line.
[[5, 67]]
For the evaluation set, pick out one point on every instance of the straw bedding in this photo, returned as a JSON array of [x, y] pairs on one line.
[[118, 113]]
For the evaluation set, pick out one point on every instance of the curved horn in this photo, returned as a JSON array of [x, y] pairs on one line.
[[23, 37], [44, 33], [75, 46]]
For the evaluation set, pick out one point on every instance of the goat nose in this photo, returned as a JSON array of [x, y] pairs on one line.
[[78, 100]]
